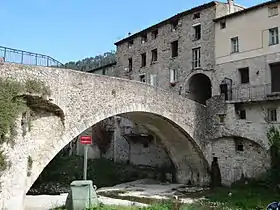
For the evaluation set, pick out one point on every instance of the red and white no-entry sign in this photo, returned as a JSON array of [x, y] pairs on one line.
[[86, 140]]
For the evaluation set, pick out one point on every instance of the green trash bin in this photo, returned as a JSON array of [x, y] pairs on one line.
[[83, 195]]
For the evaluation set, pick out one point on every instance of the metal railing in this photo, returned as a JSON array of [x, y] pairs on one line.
[[28, 58], [253, 93]]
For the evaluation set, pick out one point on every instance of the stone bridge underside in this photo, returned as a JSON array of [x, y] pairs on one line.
[[86, 99]]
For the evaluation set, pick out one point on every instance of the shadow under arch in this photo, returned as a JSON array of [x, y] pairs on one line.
[[186, 155]]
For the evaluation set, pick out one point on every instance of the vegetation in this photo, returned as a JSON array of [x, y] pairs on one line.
[[92, 62], [11, 106], [29, 165], [103, 173]]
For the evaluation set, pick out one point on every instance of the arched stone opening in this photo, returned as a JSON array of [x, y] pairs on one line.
[[200, 88]]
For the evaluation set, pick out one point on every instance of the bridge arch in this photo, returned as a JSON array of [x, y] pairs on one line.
[[87, 99]]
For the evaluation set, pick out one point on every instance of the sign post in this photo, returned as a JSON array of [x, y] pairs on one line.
[[86, 141]]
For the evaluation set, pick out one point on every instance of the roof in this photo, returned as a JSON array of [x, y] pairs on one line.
[[247, 10], [179, 15], [102, 67]]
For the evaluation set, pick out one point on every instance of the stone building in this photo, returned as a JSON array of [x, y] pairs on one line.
[[171, 53], [217, 55]]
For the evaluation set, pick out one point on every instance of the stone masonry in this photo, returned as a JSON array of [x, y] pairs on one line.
[[86, 99]]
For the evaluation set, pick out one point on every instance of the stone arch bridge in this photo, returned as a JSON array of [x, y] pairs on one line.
[[83, 100]]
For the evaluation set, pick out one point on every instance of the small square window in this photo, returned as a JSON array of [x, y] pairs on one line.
[[155, 34], [144, 38], [196, 16], [273, 11], [130, 44], [234, 45], [154, 55], [174, 25], [273, 36], [244, 75], [174, 48], [242, 115], [143, 60], [272, 115], [142, 78], [223, 24], [239, 146]]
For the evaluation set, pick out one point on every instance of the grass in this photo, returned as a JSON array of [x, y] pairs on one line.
[[243, 197]]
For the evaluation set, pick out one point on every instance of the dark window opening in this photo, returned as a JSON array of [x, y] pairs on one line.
[[242, 114], [130, 44], [197, 32], [174, 47], [196, 15], [215, 159], [239, 146], [174, 25], [154, 55], [130, 64], [155, 34], [275, 77], [142, 78], [144, 38], [223, 24], [143, 60], [244, 75], [272, 115]]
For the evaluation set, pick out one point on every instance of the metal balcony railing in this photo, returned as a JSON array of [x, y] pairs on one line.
[[28, 58], [253, 93]]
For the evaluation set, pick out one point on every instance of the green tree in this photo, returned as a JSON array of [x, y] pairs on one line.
[[92, 62]]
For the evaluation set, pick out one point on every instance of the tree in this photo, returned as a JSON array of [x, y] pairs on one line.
[[92, 62]]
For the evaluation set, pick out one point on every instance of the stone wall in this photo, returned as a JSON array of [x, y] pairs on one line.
[[183, 63], [154, 155], [86, 99]]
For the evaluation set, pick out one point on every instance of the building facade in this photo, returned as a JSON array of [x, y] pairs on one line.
[[217, 55]]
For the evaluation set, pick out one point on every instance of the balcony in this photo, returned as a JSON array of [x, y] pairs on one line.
[[252, 93]]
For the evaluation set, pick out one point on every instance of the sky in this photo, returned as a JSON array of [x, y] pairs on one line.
[[70, 30]]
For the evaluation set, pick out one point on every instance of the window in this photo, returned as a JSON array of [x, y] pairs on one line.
[[273, 36], [130, 64], [197, 32], [272, 11], [196, 15], [142, 78], [143, 60], [172, 76], [154, 34], [223, 24], [196, 58], [144, 38], [153, 79], [130, 44], [272, 115], [174, 25], [234, 45], [244, 75], [174, 47], [238, 144], [154, 55], [242, 114]]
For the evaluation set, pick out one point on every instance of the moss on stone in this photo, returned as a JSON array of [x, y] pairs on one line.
[[12, 104]]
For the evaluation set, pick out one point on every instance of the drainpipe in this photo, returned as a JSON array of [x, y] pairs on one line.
[[231, 6]]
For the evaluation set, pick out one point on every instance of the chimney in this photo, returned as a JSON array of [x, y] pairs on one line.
[[231, 6]]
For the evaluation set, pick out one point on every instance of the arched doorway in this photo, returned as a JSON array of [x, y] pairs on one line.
[[200, 88]]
